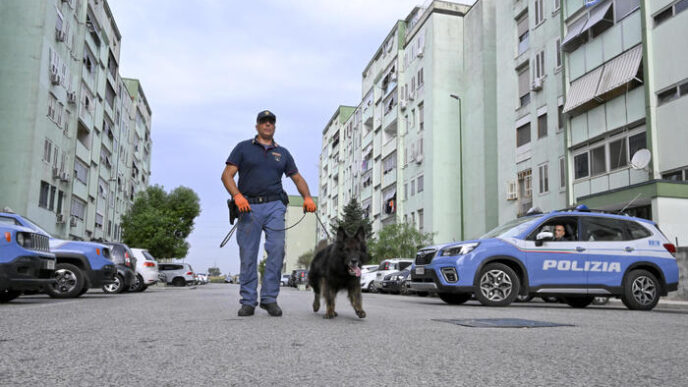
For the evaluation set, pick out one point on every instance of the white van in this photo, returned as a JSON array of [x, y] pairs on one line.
[[389, 266]]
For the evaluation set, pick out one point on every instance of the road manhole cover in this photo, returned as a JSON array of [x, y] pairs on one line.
[[502, 323]]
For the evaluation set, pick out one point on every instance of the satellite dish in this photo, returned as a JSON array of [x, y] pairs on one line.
[[641, 159]]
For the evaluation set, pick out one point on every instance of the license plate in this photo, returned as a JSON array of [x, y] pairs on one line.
[[50, 265], [420, 270]]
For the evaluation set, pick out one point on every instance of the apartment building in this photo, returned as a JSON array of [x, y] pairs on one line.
[[624, 76], [508, 105], [300, 239], [76, 134]]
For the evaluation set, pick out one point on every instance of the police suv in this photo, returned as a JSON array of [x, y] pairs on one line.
[[599, 254]]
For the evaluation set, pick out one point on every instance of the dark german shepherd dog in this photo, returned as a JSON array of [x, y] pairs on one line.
[[337, 267]]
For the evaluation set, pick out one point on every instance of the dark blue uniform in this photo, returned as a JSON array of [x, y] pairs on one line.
[[260, 180]]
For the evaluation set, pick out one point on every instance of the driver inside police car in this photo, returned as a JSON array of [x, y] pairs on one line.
[[560, 233]]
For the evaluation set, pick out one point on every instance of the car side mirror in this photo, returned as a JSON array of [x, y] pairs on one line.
[[542, 237]]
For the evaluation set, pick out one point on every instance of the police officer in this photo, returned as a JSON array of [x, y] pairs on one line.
[[261, 201]]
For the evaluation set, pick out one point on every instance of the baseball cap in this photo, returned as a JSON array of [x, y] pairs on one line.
[[265, 114]]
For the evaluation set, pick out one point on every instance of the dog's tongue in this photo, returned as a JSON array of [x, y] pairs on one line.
[[357, 270]]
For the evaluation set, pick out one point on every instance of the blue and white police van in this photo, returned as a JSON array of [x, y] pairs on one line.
[[600, 254]]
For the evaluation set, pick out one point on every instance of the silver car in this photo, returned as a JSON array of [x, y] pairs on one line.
[[177, 274]]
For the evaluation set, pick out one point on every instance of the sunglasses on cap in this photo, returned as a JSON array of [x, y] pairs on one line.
[[267, 119]]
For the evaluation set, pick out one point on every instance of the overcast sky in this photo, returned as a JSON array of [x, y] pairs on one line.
[[208, 67]]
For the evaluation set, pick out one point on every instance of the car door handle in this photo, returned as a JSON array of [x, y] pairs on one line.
[[580, 249], [629, 249]]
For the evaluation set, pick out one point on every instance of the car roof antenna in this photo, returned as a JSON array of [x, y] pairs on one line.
[[629, 203]]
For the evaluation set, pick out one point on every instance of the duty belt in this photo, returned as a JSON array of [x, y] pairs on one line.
[[263, 199]]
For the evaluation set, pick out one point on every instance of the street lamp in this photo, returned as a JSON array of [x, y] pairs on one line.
[[456, 97]]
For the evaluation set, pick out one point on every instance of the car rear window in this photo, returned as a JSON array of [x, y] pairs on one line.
[[148, 256], [170, 267], [637, 231], [603, 229]]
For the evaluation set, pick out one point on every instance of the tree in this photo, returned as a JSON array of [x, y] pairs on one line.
[[397, 240], [353, 218], [160, 222], [305, 259], [214, 271]]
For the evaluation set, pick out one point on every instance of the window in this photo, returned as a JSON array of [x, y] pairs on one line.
[[676, 91], [603, 229], [421, 116], [558, 52], [420, 78], [539, 12], [557, 5], [580, 165], [624, 8], [636, 231], [389, 163], [673, 10], [99, 220], [78, 209], [543, 178], [419, 183], [562, 172], [109, 95], [47, 150], [413, 187], [524, 87], [598, 164], [617, 154], [43, 196], [560, 118], [52, 107], [51, 201], [81, 171], [60, 198], [405, 190], [522, 30], [420, 220], [523, 135], [636, 142], [540, 64], [542, 126]]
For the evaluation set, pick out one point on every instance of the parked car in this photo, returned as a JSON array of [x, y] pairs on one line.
[[389, 266], [368, 274], [78, 265], [600, 255], [177, 274], [201, 278], [125, 262], [298, 277], [392, 283], [229, 279], [146, 270], [26, 263], [284, 281]]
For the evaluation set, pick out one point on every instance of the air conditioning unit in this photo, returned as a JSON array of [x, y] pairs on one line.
[[64, 176], [402, 104], [60, 35], [419, 158], [55, 78], [412, 95], [71, 97], [536, 84], [420, 52], [393, 77], [56, 172], [72, 221], [60, 218]]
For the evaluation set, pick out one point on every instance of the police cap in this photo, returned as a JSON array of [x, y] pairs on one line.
[[265, 114]]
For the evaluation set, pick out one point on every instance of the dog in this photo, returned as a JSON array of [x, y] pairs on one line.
[[337, 267]]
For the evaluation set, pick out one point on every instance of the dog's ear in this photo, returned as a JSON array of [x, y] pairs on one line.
[[341, 234], [360, 234]]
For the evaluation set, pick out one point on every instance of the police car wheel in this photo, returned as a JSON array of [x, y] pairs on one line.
[[454, 298], [69, 281], [498, 285], [579, 302], [641, 290]]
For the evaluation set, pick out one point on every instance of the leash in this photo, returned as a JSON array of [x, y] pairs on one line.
[[231, 232], [323, 226]]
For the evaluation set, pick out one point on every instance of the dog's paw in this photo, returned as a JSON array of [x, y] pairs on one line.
[[329, 316], [360, 314], [316, 306]]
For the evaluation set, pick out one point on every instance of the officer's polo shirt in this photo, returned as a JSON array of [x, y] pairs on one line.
[[261, 167]]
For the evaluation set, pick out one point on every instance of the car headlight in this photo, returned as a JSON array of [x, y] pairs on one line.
[[20, 239], [460, 249]]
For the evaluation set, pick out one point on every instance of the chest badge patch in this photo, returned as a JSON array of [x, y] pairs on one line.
[[277, 156]]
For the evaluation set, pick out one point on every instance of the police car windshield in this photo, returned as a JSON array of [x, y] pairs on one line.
[[513, 228]]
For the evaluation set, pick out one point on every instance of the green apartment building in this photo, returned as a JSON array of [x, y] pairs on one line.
[[472, 115], [76, 135]]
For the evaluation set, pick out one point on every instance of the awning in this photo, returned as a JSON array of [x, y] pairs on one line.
[[574, 30], [389, 195], [620, 70], [597, 15], [583, 89]]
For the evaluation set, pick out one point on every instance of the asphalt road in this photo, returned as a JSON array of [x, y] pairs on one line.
[[192, 336]]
